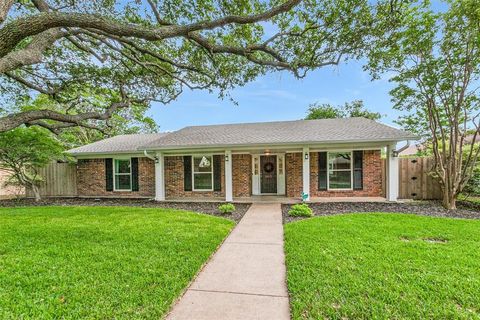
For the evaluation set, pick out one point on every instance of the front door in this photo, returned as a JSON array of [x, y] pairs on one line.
[[268, 174]]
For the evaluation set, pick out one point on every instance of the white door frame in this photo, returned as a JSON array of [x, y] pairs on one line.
[[256, 173]]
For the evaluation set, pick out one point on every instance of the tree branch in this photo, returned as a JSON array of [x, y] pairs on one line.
[[5, 6], [14, 32], [32, 53], [57, 127], [14, 120], [30, 85]]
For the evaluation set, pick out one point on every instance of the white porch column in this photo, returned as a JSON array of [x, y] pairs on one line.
[[392, 174], [159, 177], [228, 176], [306, 172]]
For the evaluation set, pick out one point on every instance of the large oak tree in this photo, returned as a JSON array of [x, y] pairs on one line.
[[126, 53]]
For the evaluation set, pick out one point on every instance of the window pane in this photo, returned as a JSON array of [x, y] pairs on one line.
[[339, 160], [122, 182], [340, 179], [202, 181], [202, 164], [122, 165]]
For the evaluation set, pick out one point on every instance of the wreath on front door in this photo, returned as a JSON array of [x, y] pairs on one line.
[[268, 167]]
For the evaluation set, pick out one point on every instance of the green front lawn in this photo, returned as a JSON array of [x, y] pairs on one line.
[[100, 262], [383, 266]]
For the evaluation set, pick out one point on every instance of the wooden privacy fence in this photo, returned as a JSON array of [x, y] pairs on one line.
[[59, 180], [416, 181]]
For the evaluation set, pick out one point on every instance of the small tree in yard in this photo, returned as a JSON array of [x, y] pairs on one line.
[[435, 62], [23, 151]]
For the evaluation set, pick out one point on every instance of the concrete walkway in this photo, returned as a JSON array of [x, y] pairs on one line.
[[245, 279]]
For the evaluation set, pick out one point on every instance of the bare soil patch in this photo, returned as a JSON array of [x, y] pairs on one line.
[[424, 208]]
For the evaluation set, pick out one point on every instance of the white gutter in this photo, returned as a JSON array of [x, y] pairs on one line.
[[149, 156]]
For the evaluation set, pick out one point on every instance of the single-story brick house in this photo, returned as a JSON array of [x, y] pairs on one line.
[[314, 158]]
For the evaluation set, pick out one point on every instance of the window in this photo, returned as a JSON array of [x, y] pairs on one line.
[[202, 173], [340, 170], [122, 175]]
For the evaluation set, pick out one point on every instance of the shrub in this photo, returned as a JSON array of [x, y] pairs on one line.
[[300, 210], [473, 185], [226, 208]]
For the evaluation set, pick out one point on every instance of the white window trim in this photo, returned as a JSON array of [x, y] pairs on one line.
[[122, 174], [351, 170], [193, 173]]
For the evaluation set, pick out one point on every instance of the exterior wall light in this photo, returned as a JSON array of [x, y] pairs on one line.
[[226, 157], [306, 156]]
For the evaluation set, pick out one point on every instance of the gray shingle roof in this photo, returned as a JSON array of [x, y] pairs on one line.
[[282, 132], [118, 144]]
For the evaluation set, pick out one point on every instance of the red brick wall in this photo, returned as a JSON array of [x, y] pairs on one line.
[[294, 175], [242, 175], [174, 186], [372, 176], [91, 179]]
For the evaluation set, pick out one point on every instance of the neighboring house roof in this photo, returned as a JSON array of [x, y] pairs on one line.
[[282, 132], [469, 138], [119, 144], [9, 191], [414, 149], [411, 150]]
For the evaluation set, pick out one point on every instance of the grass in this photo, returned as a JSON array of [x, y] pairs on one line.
[[472, 199], [383, 266], [99, 262]]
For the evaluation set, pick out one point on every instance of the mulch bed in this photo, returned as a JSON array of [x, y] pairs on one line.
[[210, 208], [424, 208]]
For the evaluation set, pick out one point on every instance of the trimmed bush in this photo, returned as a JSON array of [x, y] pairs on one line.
[[226, 208], [300, 210]]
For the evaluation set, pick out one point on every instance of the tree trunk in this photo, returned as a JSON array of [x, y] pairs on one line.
[[449, 200], [36, 192]]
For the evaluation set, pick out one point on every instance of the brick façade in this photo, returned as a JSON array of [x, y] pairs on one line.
[[174, 183], [91, 179], [372, 176], [241, 177]]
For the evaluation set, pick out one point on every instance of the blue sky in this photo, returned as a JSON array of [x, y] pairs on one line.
[[278, 96]]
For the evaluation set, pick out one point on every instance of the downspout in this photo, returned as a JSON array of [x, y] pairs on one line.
[[397, 152]]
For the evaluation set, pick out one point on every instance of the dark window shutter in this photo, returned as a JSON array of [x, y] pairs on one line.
[[134, 164], [109, 174], [357, 170], [217, 173], [187, 173], [322, 171]]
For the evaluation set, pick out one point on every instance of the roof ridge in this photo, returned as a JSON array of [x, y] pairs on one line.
[[268, 122]]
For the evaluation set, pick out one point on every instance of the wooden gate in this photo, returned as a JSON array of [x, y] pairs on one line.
[[59, 180], [416, 179]]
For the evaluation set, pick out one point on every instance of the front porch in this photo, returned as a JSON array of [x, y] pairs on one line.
[[317, 174]]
